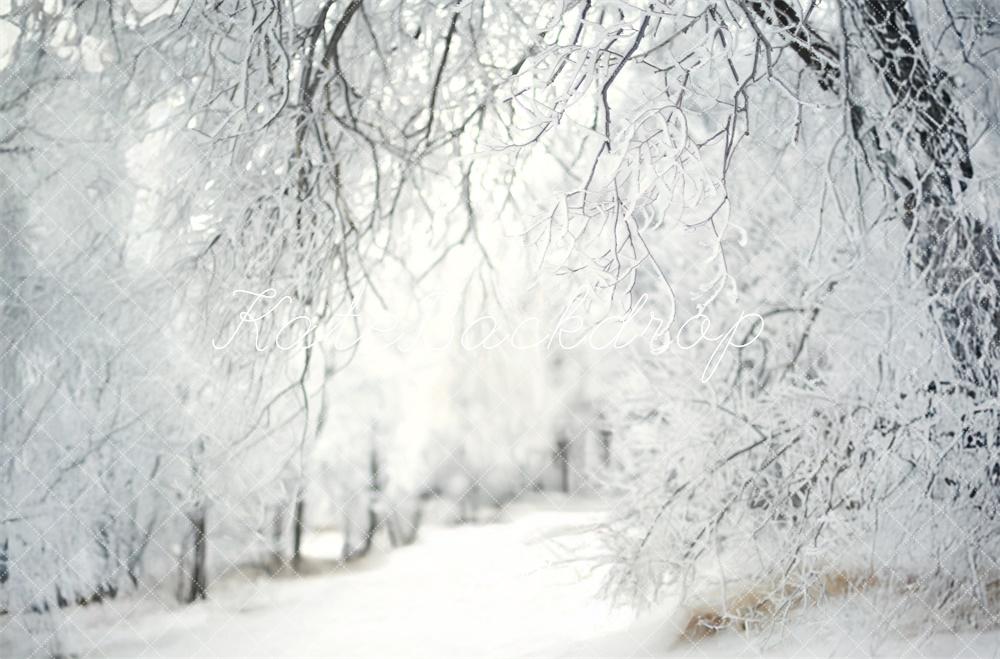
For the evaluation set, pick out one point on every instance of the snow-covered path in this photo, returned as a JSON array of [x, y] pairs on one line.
[[490, 590], [493, 590]]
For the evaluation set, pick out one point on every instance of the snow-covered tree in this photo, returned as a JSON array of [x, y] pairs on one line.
[[196, 196]]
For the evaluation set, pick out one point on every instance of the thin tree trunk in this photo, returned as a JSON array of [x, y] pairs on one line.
[[562, 458], [605, 441], [298, 528], [197, 582], [276, 559], [375, 496], [374, 501]]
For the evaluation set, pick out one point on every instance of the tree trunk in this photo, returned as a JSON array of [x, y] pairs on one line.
[[916, 141], [374, 502], [196, 586], [275, 560], [604, 437], [562, 459], [298, 528], [956, 254]]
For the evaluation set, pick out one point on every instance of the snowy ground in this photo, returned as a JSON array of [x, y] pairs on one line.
[[491, 590]]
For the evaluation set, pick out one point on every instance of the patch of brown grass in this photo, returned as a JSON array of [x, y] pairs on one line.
[[763, 602]]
